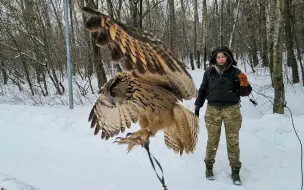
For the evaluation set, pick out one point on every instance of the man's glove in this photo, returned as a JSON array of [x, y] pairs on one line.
[[243, 79], [196, 111]]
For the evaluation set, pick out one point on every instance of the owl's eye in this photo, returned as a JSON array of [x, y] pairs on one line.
[[113, 94], [114, 83]]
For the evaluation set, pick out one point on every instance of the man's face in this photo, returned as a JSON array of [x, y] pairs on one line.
[[221, 59]]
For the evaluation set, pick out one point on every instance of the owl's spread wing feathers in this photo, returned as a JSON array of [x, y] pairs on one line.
[[172, 142], [141, 53], [182, 135], [111, 119]]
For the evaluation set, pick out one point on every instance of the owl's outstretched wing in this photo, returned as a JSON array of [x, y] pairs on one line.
[[111, 119], [182, 136], [142, 54]]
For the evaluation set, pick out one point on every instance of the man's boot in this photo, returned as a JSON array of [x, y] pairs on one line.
[[235, 176], [209, 172]]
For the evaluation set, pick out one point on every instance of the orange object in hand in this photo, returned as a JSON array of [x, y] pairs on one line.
[[243, 79]]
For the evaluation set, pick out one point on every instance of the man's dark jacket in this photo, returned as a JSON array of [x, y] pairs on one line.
[[221, 90]]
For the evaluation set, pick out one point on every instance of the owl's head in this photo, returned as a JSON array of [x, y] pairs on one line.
[[117, 89]]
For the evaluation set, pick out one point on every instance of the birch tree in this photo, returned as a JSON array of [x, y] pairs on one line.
[[234, 22], [205, 31], [195, 31]]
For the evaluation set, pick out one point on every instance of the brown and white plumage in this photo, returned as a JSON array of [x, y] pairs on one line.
[[147, 91]]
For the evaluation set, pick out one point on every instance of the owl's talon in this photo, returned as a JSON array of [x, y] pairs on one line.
[[130, 141], [140, 137], [115, 141]]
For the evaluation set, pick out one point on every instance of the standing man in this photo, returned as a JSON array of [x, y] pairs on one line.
[[223, 85]]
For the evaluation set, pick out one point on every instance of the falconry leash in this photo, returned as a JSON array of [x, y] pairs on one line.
[[161, 179]]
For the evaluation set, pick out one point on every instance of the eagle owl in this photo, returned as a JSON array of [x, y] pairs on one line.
[[148, 90]]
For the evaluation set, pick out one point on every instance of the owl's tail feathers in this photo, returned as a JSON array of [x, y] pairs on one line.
[[182, 136]]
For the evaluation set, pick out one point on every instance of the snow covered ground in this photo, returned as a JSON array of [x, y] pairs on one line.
[[53, 148]]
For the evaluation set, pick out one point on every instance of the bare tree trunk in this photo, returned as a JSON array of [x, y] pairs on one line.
[[195, 31], [222, 24], [263, 7], [297, 41], [73, 41], [111, 13], [234, 23], [134, 12], [271, 20], [300, 59], [215, 21], [191, 60], [185, 38], [89, 62], [253, 49], [141, 14], [254, 52], [5, 77], [110, 8], [119, 10], [98, 64], [149, 24], [172, 27], [291, 59], [279, 92], [205, 31]]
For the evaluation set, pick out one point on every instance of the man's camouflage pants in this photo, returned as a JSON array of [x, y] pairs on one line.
[[232, 118]]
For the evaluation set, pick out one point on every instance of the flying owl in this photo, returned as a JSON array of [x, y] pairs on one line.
[[148, 91]]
